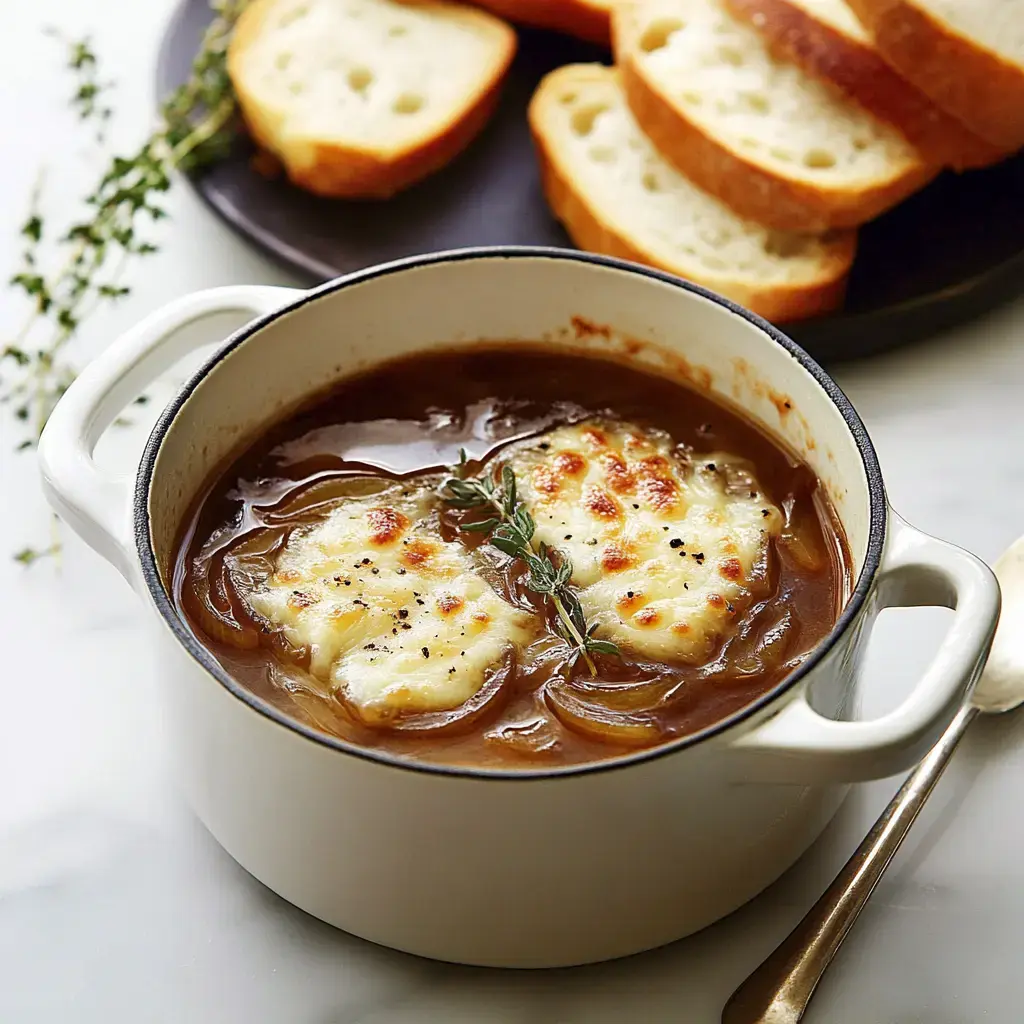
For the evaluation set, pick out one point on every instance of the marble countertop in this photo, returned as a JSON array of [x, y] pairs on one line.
[[115, 905]]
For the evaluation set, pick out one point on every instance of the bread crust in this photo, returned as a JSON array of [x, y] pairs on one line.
[[350, 172], [749, 189], [782, 302], [974, 85], [860, 72], [585, 19]]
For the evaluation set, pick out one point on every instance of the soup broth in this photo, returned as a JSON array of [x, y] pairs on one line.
[[385, 440]]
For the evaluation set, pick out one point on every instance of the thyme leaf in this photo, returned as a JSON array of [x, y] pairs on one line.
[[84, 271], [511, 530]]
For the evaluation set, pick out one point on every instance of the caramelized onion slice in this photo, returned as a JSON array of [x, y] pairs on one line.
[[527, 737], [316, 499], [599, 722], [800, 539], [222, 583]]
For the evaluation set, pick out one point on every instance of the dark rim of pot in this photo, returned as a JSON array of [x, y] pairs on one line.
[[191, 643]]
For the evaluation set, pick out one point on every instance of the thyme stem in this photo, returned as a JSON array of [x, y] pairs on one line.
[[513, 531], [195, 128]]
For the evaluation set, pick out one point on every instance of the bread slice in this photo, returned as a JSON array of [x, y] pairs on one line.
[[587, 19], [617, 195], [967, 55], [769, 140], [825, 38], [362, 98]]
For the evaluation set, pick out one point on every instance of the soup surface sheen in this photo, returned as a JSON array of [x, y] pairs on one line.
[[327, 573]]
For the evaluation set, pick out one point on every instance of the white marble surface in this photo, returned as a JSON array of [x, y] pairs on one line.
[[115, 905]]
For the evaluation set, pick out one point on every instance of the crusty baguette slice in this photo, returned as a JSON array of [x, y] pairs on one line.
[[617, 195], [967, 55], [769, 140], [362, 98], [825, 38], [587, 19]]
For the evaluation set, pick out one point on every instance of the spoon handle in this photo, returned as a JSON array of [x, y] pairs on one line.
[[780, 989]]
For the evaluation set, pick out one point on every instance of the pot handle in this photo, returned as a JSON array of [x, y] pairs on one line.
[[801, 746], [96, 505]]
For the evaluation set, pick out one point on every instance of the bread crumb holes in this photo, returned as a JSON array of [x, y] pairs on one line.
[[777, 243], [408, 103], [658, 33], [360, 79], [819, 158], [584, 118]]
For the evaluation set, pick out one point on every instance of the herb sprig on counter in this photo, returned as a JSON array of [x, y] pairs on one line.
[[511, 529], [194, 128]]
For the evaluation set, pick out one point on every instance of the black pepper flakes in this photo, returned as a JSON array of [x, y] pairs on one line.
[[425, 651], [699, 557], [711, 467], [403, 613], [375, 571], [419, 600], [568, 536], [675, 542], [592, 542], [401, 572], [544, 446], [366, 561], [636, 506], [764, 513]]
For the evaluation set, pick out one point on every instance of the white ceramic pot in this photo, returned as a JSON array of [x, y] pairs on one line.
[[541, 868]]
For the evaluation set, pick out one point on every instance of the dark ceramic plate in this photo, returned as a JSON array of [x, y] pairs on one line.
[[945, 256]]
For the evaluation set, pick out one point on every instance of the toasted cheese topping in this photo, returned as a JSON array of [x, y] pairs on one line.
[[392, 615], [665, 551]]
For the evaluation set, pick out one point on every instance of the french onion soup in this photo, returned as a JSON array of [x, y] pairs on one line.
[[512, 558]]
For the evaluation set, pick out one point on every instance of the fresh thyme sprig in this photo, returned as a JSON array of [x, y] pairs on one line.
[[89, 99], [511, 530], [195, 127]]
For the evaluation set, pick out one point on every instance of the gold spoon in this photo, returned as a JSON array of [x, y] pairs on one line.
[[780, 989]]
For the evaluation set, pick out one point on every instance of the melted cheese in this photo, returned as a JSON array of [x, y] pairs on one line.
[[393, 616], [664, 552]]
